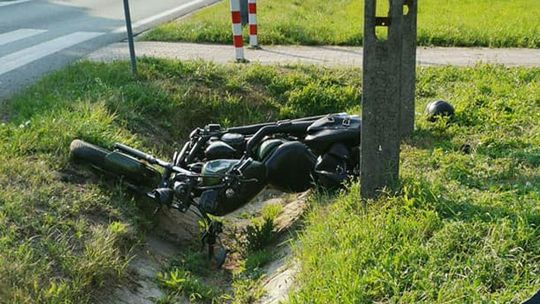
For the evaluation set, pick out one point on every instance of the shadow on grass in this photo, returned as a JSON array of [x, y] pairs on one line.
[[471, 212], [429, 139]]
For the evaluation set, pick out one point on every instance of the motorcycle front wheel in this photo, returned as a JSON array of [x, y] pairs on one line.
[[115, 163]]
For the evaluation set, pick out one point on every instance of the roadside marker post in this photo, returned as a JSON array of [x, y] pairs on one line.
[[237, 31], [252, 10], [388, 93], [130, 38]]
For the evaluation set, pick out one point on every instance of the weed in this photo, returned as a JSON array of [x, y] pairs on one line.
[[180, 282], [271, 211], [245, 291], [259, 234], [193, 260], [255, 260]]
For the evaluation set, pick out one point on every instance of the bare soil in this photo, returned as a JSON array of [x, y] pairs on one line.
[[178, 230]]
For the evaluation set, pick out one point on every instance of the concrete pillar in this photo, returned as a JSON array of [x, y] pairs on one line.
[[381, 99], [408, 67]]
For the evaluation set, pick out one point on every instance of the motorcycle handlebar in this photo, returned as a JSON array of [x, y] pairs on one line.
[[136, 153], [251, 129], [151, 159], [285, 127]]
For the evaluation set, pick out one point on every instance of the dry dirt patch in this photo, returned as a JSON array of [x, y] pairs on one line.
[[178, 230]]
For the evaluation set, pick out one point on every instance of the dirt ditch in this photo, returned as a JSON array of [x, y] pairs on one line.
[[178, 230]]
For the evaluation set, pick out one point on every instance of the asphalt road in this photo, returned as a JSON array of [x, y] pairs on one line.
[[40, 36]]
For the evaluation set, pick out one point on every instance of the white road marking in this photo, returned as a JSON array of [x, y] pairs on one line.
[[23, 57], [19, 34], [154, 18], [13, 2]]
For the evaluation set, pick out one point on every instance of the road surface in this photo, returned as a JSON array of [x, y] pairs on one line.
[[39, 36]]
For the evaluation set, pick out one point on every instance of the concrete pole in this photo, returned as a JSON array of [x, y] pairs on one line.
[[381, 105], [408, 68]]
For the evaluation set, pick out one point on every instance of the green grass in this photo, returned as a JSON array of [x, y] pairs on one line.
[[493, 23], [463, 227], [64, 233]]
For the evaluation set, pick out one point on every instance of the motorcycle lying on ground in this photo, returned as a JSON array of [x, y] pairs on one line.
[[221, 169]]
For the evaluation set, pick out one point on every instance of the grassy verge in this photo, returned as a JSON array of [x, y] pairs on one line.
[[464, 228], [340, 22], [465, 225], [64, 233]]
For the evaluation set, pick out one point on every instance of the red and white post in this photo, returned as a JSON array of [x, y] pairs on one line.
[[252, 15], [237, 30]]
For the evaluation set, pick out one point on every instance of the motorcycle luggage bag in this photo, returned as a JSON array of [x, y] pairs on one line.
[[290, 167], [334, 128]]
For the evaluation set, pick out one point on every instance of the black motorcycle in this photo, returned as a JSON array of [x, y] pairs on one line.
[[219, 170]]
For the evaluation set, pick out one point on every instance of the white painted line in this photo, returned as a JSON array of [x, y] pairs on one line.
[[154, 18], [23, 57], [13, 2], [19, 34]]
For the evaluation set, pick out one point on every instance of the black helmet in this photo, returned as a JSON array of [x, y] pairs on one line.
[[439, 108]]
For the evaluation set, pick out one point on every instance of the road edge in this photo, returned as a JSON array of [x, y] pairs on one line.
[[166, 16]]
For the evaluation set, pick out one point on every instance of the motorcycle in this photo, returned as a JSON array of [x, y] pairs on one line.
[[221, 169]]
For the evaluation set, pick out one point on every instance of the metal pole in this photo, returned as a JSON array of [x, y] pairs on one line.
[[244, 12], [130, 38], [252, 8], [238, 41]]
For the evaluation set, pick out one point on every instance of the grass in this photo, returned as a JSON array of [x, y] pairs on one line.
[[464, 225], [64, 232], [180, 282], [189, 276], [340, 22]]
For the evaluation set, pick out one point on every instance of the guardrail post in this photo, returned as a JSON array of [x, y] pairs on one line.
[[381, 106]]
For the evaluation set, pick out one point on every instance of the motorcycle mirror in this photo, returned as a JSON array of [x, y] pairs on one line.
[[164, 196]]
